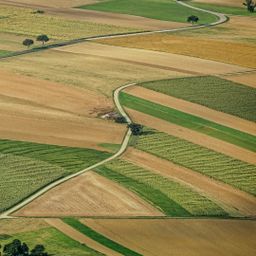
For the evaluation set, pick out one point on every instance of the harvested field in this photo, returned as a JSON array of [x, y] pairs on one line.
[[188, 237], [246, 79], [171, 197], [241, 106], [236, 3], [212, 49], [194, 137], [174, 62], [235, 202], [197, 158], [99, 197]]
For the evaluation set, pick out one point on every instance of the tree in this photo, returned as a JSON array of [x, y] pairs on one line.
[[193, 19], [250, 4], [39, 250], [43, 38], [28, 42], [136, 129]]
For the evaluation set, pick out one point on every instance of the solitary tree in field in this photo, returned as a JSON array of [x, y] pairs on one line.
[[43, 38], [28, 42], [193, 19], [250, 4]]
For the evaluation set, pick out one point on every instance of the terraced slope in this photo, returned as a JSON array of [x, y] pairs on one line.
[[208, 162], [173, 198], [26, 167]]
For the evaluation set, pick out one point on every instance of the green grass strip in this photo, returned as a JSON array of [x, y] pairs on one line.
[[192, 122], [99, 237], [146, 191]]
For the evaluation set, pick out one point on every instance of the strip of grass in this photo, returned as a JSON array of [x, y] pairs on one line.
[[173, 198], [55, 242], [213, 92], [161, 10], [195, 123], [4, 53], [197, 158], [225, 9], [100, 238], [26, 167], [111, 147]]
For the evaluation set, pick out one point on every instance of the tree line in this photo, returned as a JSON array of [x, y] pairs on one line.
[[41, 38]]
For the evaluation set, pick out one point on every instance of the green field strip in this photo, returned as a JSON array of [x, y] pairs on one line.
[[213, 92], [161, 10], [27, 167], [4, 53], [189, 121], [234, 172], [99, 237], [172, 198], [55, 242]]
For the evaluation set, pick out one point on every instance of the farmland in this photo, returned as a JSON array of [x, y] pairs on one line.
[[192, 122], [162, 10], [164, 193], [211, 92], [215, 165], [27, 167]]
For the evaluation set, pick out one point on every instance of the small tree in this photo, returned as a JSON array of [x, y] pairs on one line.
[[39, 250], [16, 248], [193, 19], [250, 5], [43, 38], [28, 42], [136, 129]]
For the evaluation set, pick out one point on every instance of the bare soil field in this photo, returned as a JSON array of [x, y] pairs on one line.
[[194, 109], [236, 3], [88, 195], [217, 50], [232, 200], [178, 63], [181, 237], [81, 238], [194, 137], [248, 79], [63, 9]]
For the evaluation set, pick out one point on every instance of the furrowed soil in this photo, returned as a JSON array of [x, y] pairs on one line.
[[194, 137], [232, 200], [99, 197], [194, 109], [181, 237], [248, 79]]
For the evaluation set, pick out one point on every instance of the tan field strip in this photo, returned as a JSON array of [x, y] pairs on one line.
[[81, 238], [173, 237], [88, 195], [180, 63], [194, 137], [63, 9], [246, 79], [194, 109], [237, 3], [230, 198]]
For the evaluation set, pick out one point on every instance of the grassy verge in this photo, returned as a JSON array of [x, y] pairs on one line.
[[26, 167], [4, 53], [208, 162], [192, 122], [170, 197], [55, 242], [161, 10], [100, 238], [212, 92]]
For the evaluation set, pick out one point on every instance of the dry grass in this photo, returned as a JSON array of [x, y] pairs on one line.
[[181, 237]]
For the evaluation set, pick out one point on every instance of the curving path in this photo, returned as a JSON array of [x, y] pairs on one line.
[[221, 18]]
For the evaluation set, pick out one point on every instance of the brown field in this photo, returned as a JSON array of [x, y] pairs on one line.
[[232, 200], [13, 226], [194, 137], [99, 197], [246, 79], [63, 9], [236, 3], [237, 53], [194, 109], [173, 237], [81, 238]]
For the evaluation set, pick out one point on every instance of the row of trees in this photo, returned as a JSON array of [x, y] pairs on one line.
[[41, 38], [17, 248]]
